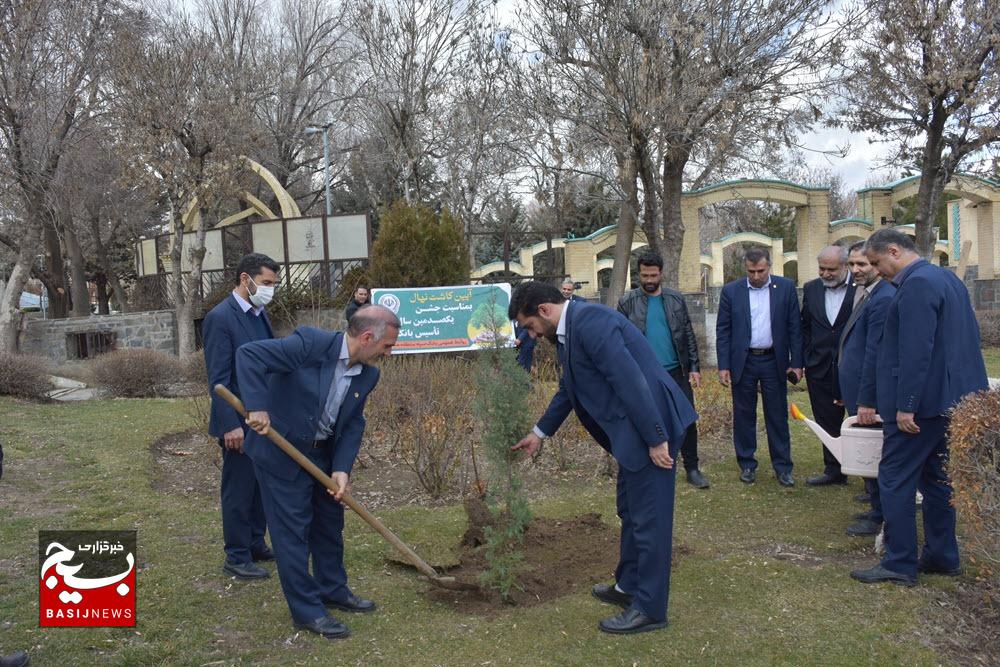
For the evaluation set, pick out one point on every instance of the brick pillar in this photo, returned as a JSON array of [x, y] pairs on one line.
[[812, 223], [778, 257], [988, 235], [689, 278], [718, 262], [581, 265]]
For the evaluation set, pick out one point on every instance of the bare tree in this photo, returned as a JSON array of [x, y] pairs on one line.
[[696, 86], [412, 52], [47, 82], [185, 89], [924, 76]]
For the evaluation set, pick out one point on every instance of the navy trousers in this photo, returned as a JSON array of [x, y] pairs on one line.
[[761, 370], [911, 462], [645, 502], [306, 521], [243, 522]]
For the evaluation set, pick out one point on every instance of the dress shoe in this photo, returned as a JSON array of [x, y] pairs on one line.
[[826, 479], [327, 626], [785, 479], [863, 497], [925, 567], [611, 595], [245, 570], [263, 555], [353, 604], [697, 479], [748, 476], [629, 622], [878, 574], [870, 515], [864, 527], [19, 659]]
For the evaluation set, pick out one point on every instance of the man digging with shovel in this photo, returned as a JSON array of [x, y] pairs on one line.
[[311, 387]]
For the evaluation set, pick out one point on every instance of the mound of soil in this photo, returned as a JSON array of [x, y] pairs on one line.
[[560, 557], [187, 463]]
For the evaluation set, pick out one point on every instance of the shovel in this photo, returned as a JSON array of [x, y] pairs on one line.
[[444, 582]]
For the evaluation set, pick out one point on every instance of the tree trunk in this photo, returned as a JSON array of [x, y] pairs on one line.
[[10, 300], [105, 263], [78, 270], [103, 298], [933, 177], [648, 178], [673, 224], [58, 294], [628, 212]]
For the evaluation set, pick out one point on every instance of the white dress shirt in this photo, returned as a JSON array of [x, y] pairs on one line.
[[760, 315], [834, 299]]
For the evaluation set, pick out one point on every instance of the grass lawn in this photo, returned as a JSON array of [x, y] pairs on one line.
[[992, 357], [762, 578]]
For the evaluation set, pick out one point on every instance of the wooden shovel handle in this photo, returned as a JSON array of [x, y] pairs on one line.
[[328, 482]]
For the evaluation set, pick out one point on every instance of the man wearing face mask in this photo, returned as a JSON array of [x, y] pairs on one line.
[[239, 319], [827, 302], [662, 316]]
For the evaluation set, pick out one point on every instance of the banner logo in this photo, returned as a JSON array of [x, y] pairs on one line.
[[86, 578]]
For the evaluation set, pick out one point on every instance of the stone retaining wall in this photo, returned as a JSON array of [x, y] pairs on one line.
[[56, 339]]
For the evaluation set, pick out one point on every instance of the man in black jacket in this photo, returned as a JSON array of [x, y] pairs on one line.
[[827, 302], [662, 316], [362, 297]]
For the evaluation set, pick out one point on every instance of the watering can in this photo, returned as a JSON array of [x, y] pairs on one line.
[[858, 449]]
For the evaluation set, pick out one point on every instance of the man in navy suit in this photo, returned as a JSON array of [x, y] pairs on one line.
[[525, 345], [568, 289], [239, 319], [928, 358], [311, 387], [629, 404], [856, 356], [826, 305], [758, 341]]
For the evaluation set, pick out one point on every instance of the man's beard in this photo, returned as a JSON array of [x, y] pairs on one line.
[[836, 282], [650, 287]]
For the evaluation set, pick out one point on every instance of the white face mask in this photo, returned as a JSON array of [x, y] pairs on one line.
[[263, 295]]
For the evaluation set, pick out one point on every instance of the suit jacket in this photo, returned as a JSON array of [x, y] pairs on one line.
[[224, 329], [859, 347], [620, 392], [929, 356], [290, 378], [820, 337], [732, 328]]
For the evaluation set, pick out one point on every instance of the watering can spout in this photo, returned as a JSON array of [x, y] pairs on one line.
[[835, 445]]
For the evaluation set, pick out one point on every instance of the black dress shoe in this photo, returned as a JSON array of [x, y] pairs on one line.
[[785, 479], [629, 622], [697, 479], [611, 595], [245, 570], [863, 497], [826, 479], [353, 604], [878, 574], [327, 626], [864, 527], [263, 556], [19, 659], [870, 515], [748, 476], [925, 567]]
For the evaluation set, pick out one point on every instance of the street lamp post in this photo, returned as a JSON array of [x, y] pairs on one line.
[[324, 129]]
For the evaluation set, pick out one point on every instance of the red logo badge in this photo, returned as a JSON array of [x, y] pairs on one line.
[[87, 578]]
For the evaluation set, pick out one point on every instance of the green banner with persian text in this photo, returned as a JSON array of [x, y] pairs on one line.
[[449, 319]]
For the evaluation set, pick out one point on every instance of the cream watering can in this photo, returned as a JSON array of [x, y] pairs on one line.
[[858, 449]]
